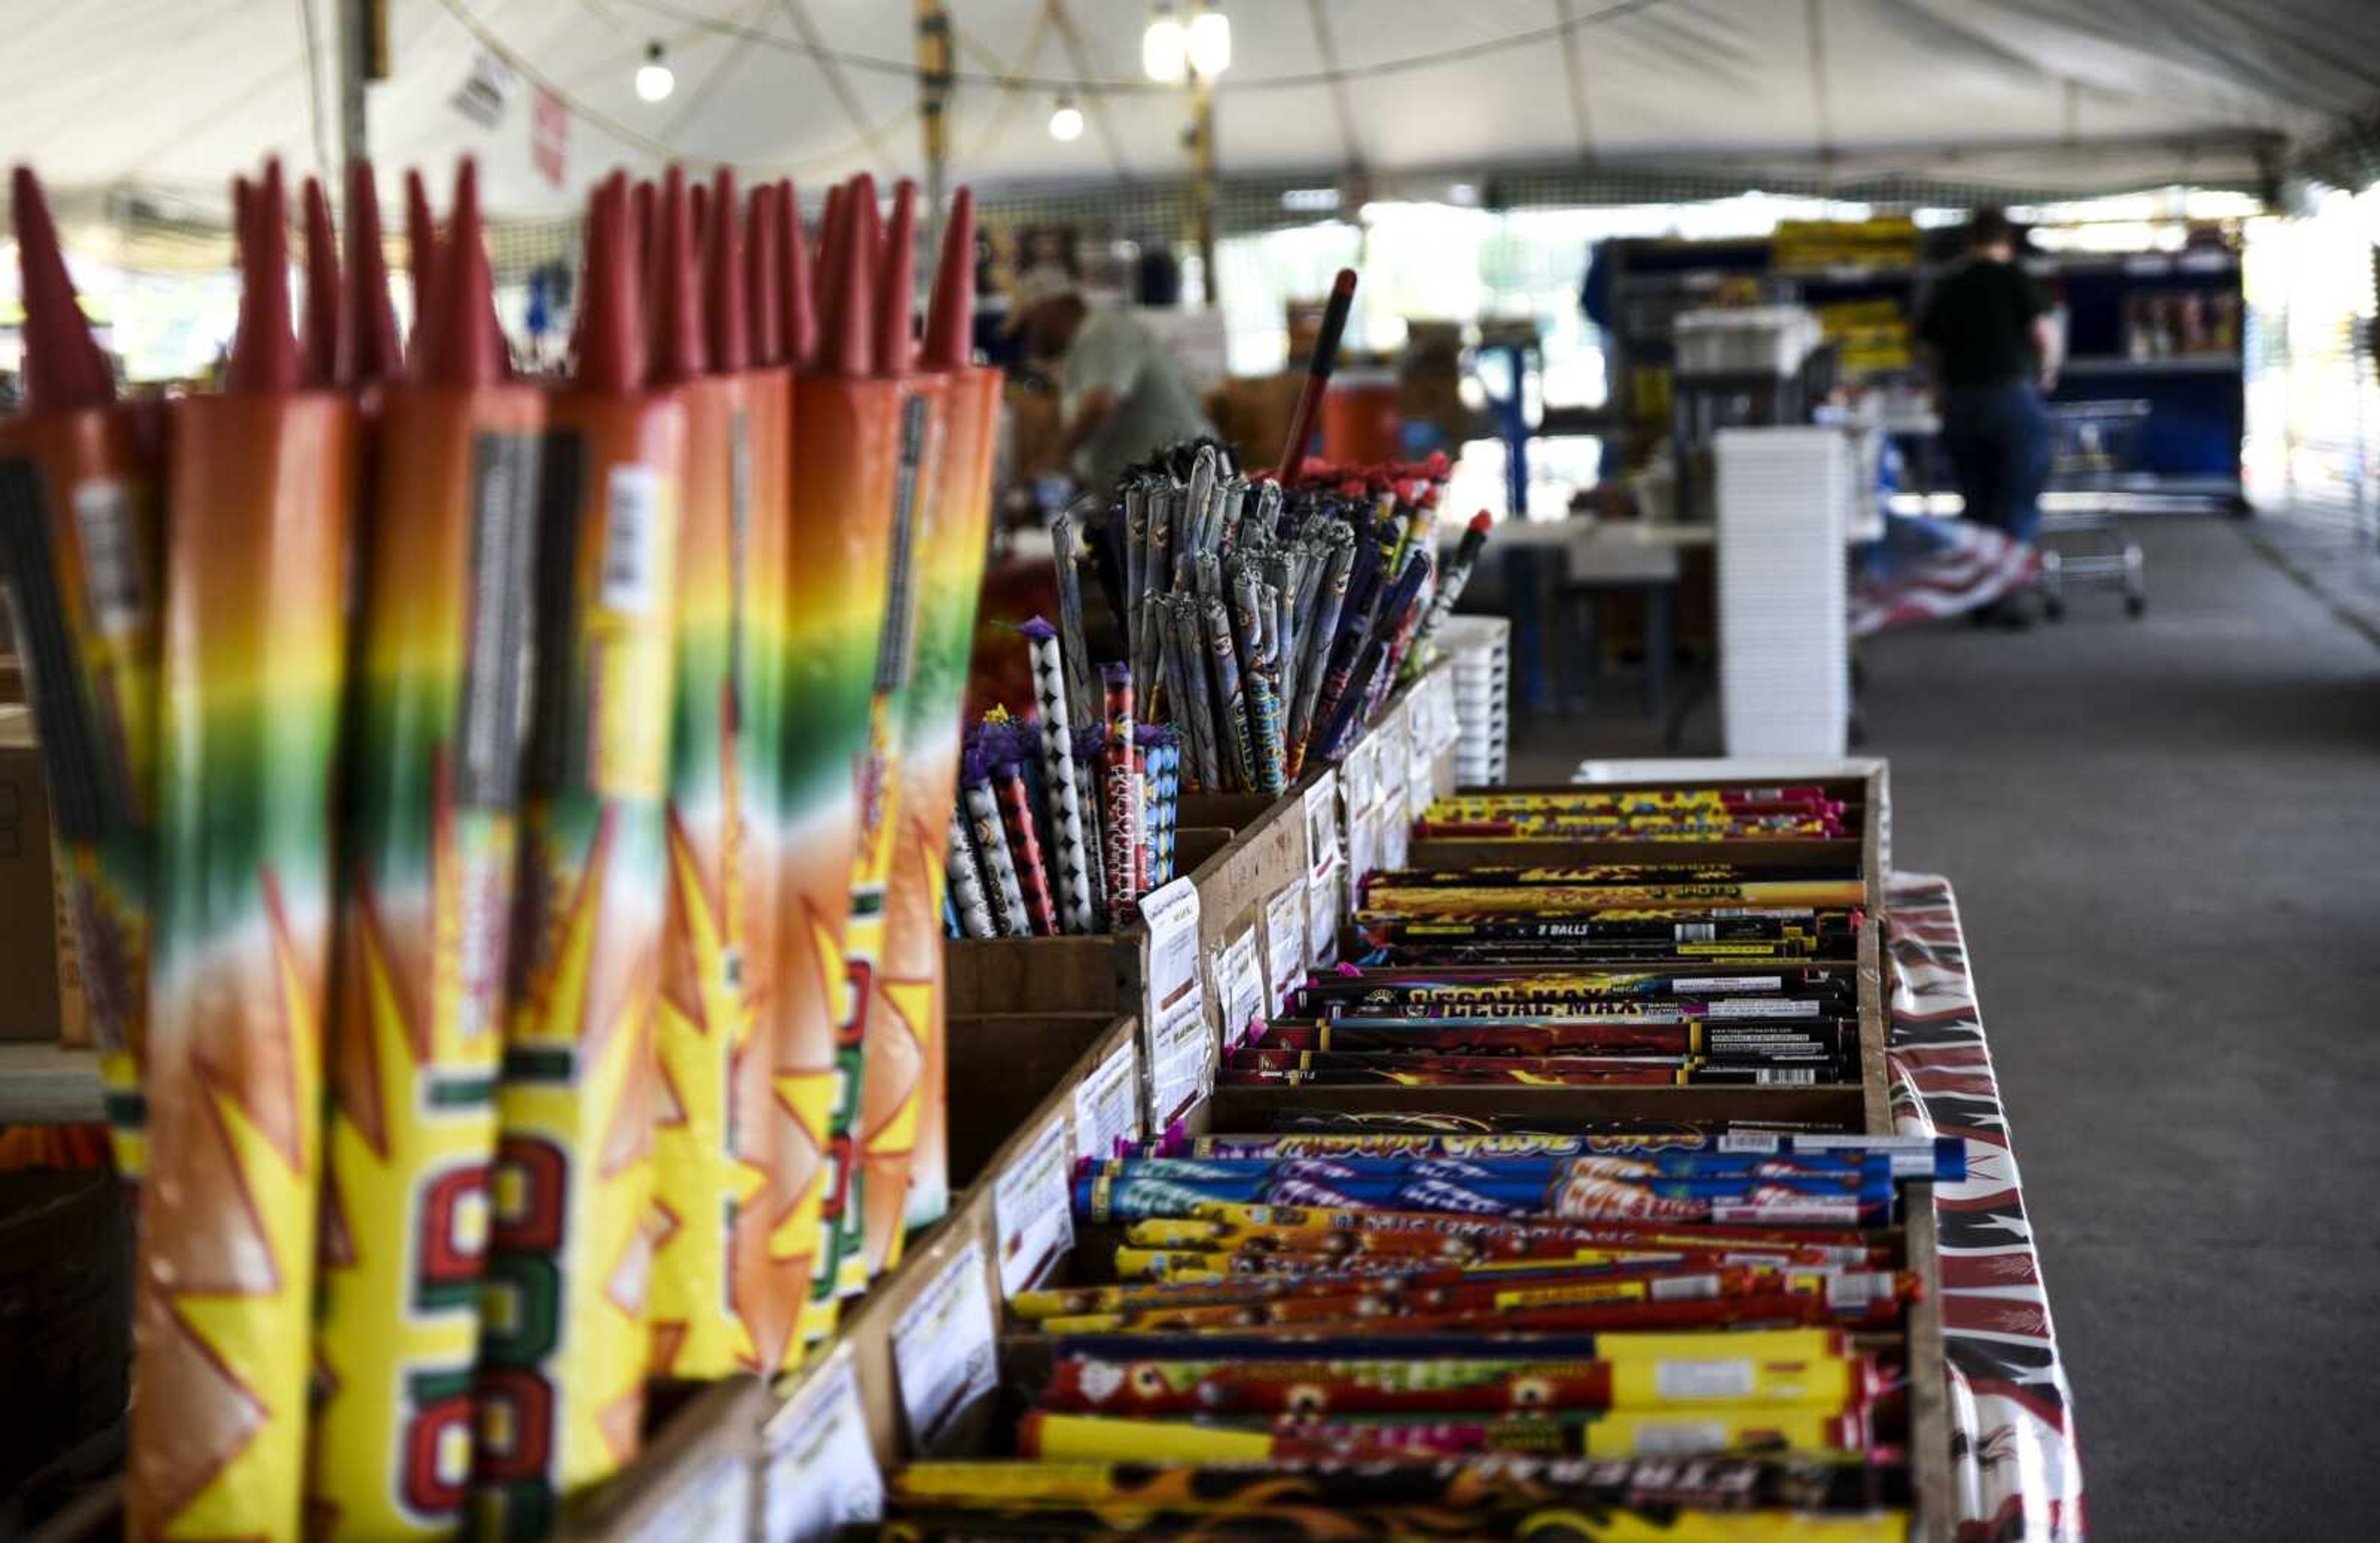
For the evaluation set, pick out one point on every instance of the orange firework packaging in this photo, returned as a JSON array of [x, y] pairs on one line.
[[80, 543], [561, 1346], [884, 1046], [252, 682], [724, 851], [846, 447], [906, 1104], [438, 720]]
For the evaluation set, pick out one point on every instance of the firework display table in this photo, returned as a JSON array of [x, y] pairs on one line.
[[2011, 1412]]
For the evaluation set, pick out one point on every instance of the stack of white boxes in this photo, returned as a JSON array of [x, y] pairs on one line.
[[1784, 642], [1481, 651]]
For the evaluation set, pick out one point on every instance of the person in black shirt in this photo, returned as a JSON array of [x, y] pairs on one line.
[[1988, 333]]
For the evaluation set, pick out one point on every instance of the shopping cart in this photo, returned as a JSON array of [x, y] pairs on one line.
[[2094, 446]]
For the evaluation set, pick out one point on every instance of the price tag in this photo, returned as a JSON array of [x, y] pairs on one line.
[[1322, 825], [1174, 1021], [1032, 1211], [820, 1472], [1239, 981], [1396, 836], [1106, 1104], [713, 1504], [1285, 944], [1363, 842], [1322, 912], [944, 1354]]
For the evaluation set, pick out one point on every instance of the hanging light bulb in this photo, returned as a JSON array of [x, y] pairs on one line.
[[654, 78], [1066, 121], [1165, 47], [1210, 42]]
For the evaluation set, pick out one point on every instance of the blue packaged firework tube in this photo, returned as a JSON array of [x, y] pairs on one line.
[[1942, 1159], [1519, 1071], [1124, 1195], [1539, 1170]]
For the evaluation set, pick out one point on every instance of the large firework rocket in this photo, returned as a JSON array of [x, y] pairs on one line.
[[723, 757], [81, 541], [251, 676], [440, 713], [899, 1051], [950, 579], [846, 448], [562, 1353]]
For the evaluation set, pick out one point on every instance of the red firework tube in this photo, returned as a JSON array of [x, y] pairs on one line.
[[81, 539], [1024, 847], [800, 305], [1318, 372], [320, 335], [369, 349], [647, 213], [1120, 790], [420, 251], [763, 277]]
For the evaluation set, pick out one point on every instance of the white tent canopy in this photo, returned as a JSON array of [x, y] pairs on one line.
[[172, 97]]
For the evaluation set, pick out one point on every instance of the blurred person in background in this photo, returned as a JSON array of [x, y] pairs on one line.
[[1994, 353], [1121, 395]]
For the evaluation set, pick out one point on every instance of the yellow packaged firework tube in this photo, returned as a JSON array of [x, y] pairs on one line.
[[876, 1114], [705, 1018], [846, 443], [425, 905], [561, 1344], [80, 544], [251, 681], [949, 573]]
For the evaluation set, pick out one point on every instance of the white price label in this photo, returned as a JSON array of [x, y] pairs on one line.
[[1362, 843], [1175, 1020], [1322, 824], [1396, 836], [1106, 1104], [1723, 1381], [943, 1352], [1285, 944], [820, 1472], [632, 527], [1239, 981], [1032, 1211], [1762, 1007], [114, 586], [1724, 985], [713, 1504], [1322, 912]]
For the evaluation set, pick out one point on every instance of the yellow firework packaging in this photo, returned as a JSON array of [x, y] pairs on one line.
[[251, 679], [79, 539], [562, 1354], [705, 1018], [906, 1182], [425, 909], [846, 443]]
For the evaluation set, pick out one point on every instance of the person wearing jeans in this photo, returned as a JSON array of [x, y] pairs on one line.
[[1987, 335]]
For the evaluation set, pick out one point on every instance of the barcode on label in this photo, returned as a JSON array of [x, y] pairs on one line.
[[631, 522], [112, 584], [1796, 1077]]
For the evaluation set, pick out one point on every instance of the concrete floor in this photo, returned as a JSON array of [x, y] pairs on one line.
[[2165, 840]]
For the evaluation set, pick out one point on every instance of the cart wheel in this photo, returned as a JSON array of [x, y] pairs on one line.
[[2134, 605]]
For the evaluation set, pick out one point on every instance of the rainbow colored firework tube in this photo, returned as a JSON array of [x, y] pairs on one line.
[[950, 576], [706, 1019], [1120, 796], [879, 1043], [766, 1292], [561, 1347], [81, 540], [1072, 858], [251, 677], [425, 905], [847, 451]]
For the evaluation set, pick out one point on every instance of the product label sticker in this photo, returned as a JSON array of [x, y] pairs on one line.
[[1284, 950], [1714, 985], [820, 1470], [1703, 1380], [1174, 1021], [1396, 836], [1240, 981], [1032, 1211], [1322, 913], [1106, 1104], [114, 588], [712, 1505], [632, 522], [1762, 1007], [943, 1351], [1363, 843], [1322, 824]]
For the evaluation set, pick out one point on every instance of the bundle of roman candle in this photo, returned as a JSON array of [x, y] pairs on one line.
[[1041, 827], [1263, 625], [463, 785]]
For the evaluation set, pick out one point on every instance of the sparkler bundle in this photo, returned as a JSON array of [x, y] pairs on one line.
[[468, 787]]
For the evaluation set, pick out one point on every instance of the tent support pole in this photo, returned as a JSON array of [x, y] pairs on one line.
[[1202, 163], [363, 58], [933, 112]]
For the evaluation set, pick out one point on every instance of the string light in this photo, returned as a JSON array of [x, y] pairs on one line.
[[1165, 47], [654, 78], [1210, 42], [1066, 121]]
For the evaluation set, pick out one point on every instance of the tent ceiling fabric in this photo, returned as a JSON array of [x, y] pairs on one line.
[[173, 96]]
